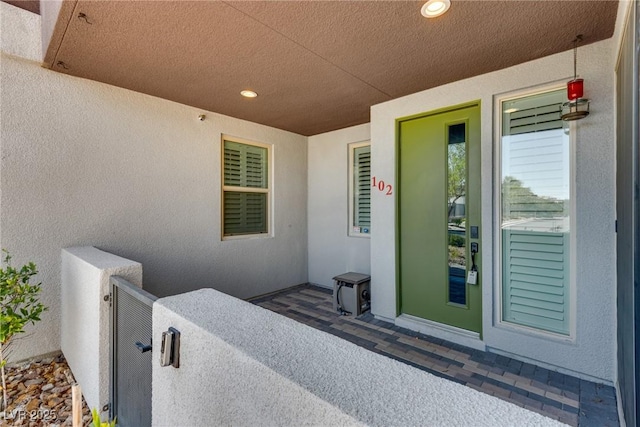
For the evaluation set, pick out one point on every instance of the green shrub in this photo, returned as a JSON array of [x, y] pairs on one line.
[[19, 306], [456, 240], [95, 417]]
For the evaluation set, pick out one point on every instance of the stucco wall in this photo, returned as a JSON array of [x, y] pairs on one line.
[[262, 368], [85, 339], [20, 33], [49, 11], [87, 164], [331, 250], [592, 352]]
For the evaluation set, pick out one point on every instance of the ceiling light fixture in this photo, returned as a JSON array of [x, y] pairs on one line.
[[577, 107], [435, 8], [248, 94]]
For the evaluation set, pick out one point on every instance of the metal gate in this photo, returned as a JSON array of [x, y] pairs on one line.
[[131, 330]]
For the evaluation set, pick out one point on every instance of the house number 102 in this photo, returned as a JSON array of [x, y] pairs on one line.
[[381, 186]]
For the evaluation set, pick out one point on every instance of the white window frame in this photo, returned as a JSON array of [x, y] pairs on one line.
[[497, 216], [268, 190], [352, 231]]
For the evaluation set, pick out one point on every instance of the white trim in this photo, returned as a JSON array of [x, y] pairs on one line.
[[350, 192], [534, 332], [247, 237], [621, 419], [573, 247], [384, 318], [442, 331], [631, 19], [497, 209], [624, 16]]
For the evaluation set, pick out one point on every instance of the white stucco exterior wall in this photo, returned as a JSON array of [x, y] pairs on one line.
[[242, 365], [218, 382], [592, 352], [88, 164], [49, 11], [20, 33], [85, 339], [331, 250]]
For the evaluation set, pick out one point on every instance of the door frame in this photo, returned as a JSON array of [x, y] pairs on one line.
[[398, 121], [628, 220]]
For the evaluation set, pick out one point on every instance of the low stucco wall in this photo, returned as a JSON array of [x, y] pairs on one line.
[[85, 315], [243, 365]]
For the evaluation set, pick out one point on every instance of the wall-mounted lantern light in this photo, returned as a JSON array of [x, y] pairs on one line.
[[577, 107]]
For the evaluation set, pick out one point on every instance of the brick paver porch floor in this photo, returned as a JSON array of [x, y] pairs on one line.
[[562, 397]]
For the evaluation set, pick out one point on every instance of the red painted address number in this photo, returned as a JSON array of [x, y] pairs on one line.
[[381, 186]]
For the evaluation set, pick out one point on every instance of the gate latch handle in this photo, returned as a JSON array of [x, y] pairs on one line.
[[143, 348]]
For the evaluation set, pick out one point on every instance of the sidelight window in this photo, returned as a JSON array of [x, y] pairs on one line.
[[535, 213]]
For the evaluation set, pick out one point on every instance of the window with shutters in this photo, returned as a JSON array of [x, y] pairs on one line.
[[245, 188], [535, 212], [360, 189]]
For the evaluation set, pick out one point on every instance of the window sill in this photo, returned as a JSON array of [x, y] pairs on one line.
[[360, 235], [537, 333], [247, 237]]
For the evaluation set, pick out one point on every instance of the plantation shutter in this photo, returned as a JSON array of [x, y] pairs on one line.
[[535, 119], [362, 187], [536, 279], [244, 213], [535, 213], [245, 183], [245, 165]]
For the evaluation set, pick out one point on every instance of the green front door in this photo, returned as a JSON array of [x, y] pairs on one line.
[[439, 216]]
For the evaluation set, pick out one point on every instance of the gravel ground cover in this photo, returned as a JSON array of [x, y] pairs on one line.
[[40, 394]]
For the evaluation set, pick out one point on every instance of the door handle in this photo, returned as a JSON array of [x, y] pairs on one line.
[[143, 348], [474, 251], [472, 276]]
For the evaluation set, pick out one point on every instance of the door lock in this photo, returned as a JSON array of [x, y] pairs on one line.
[[170, 348]]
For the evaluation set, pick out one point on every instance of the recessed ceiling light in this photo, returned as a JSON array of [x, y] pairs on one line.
[[434, 8], [248, 94]]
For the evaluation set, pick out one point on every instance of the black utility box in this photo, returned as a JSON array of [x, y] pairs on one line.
[[352, 293]]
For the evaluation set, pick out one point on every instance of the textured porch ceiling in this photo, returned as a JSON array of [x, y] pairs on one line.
[[30, 5], [316, 65]]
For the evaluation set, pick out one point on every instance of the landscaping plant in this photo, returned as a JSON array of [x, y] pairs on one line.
[[19, 306], [95, 416]]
